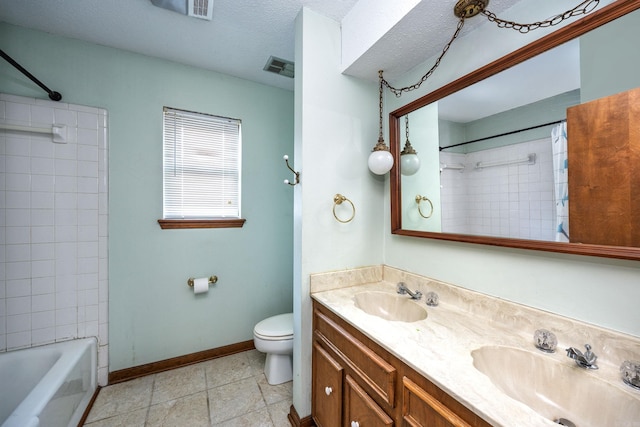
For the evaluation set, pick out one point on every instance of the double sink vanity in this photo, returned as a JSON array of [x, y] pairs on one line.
[[381, 358]]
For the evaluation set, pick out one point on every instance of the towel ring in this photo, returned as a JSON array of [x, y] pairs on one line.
[[337, 200], [419, 199]]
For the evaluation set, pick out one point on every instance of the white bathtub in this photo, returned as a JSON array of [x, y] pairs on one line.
[[49, 385]]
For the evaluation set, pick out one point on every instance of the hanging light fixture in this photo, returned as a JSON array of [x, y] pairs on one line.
[[409, 161], [381, 160]]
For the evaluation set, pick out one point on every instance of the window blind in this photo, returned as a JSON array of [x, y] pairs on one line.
[[202, 156]]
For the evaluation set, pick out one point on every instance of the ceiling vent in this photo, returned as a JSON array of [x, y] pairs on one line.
[[280, 66], [202, 9]]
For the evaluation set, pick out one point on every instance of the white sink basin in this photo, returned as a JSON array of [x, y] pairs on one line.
[[390, 307], [558, 389]]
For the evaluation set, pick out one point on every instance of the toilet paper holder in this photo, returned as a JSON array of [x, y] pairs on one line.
[[212, 281]]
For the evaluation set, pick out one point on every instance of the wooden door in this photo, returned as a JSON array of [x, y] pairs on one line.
[[604, 170]]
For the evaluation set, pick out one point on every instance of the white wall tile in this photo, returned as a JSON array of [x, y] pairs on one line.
[[43, 286], [17, 181], [18, 305], [65, 117], [43, 319], [18, 340], [41, 114], [65, 332], [45, 302], [53, 257], [43, 336], [42, 183], [87, 120], [17, 111], [17, 288], [17, 200]]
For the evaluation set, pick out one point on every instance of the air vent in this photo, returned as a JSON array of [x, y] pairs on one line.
[[202, 9], [280, 66]]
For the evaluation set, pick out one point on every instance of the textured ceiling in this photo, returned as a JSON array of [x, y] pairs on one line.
[[242, 35]]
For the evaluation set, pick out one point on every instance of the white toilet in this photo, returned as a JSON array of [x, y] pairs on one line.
[[274, 336]]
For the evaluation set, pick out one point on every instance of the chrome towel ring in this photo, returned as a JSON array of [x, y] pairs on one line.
[[337, 200]]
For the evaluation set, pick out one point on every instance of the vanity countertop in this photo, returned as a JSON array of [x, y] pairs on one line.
[[440, 346]]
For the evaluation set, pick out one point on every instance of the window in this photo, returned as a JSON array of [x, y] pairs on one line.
[[202, 177]]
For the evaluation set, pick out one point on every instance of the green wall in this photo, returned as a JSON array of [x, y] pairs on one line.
[[609, 59], [152, 313]]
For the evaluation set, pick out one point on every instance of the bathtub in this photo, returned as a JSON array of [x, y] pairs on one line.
[[50, 385]]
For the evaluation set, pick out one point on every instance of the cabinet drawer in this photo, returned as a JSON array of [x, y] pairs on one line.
[[369, 367], [327, 389], [421, 409], [360, 409]]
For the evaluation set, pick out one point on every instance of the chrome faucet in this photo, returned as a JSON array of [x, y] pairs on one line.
[[586, 360], [402, 290]]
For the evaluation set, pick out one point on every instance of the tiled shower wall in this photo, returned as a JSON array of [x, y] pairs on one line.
[[506, 201], [53, 226]]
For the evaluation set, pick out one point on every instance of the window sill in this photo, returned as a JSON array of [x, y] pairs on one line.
[[168, 224]]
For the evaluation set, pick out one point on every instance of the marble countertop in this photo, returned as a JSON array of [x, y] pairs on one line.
[[440, 346]]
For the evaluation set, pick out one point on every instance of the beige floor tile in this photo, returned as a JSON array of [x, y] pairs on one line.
[[227, 369], [274, 393], [235, 399], [122, 398], [256, 361], [258, 418], [180, 382], [189, 411], [279, 413], [129, 419]]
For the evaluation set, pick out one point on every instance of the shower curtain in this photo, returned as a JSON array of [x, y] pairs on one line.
[[561, 181]]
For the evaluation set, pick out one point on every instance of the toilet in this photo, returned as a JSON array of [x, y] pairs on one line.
[[274, 336]]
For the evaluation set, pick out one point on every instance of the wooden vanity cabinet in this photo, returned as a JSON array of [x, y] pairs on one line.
[[369, 387]]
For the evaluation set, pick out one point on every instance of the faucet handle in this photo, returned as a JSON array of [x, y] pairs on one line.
[[545, 340], [401, 288], [590, 355]]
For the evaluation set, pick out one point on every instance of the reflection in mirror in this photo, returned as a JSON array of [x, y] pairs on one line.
[[493, 153]]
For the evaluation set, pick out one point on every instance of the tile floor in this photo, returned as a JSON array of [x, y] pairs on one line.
[[230, 391]]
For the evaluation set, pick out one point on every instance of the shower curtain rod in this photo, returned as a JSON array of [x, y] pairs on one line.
[[502, 134], [53, 95]]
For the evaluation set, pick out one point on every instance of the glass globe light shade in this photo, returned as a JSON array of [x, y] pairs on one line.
[[380, 162], [409, 164]]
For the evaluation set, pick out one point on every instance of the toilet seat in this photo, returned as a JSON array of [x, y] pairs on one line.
[[276, 328]]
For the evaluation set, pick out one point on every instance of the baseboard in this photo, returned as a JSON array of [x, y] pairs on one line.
[[296, 421], [177, 362]]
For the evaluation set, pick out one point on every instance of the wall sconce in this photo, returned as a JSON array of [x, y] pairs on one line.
[[381, 160], [409, 161]]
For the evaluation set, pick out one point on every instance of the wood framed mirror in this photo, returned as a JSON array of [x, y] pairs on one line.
[[404, 201]]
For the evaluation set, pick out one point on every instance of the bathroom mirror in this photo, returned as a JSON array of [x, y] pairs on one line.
[[442, 139]]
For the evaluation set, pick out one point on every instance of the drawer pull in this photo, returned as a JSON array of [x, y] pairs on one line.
[[355, 424], [328, 390]]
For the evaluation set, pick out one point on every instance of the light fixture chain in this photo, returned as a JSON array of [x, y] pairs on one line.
[[406, 127], [582, 9], [398, 91], [380, 136]]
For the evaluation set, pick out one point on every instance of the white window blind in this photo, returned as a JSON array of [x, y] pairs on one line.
[[201, 165]]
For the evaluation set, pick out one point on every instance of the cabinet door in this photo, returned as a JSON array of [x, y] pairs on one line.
[[327, 389], [421, 409], [604, 170], [360, 409]]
